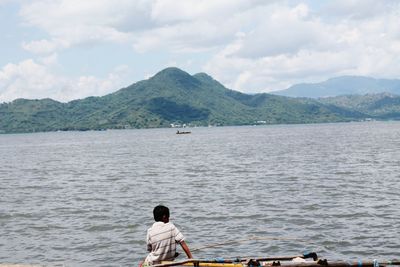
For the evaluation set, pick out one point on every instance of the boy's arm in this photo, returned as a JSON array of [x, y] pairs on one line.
[[148, 242], [186, 249]]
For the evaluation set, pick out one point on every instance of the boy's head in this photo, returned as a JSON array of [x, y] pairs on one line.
[[161, 214]]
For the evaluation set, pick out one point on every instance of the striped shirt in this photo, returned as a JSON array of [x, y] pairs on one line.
[[161, 242]]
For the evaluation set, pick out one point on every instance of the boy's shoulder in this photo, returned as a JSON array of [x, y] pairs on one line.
[[161, 225]]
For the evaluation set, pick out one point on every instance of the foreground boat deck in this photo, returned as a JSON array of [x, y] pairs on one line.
[[305, 260]]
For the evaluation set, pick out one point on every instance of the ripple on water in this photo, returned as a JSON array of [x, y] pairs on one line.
[[85, 199]]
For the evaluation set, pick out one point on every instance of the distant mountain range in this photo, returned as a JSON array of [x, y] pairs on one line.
[[175, 97], [344, 85]]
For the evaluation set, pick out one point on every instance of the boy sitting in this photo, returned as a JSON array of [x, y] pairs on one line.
[[162, 238]]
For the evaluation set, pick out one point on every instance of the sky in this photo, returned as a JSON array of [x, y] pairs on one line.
[[71, 49]]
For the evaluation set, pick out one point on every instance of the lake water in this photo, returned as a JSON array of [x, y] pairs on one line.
[[86, 198]]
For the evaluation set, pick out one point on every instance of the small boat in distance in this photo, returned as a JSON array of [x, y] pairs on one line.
[[183, 132]]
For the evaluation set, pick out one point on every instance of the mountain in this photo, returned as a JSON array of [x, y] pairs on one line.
[[344, 85], [378, 106], [172, 96]]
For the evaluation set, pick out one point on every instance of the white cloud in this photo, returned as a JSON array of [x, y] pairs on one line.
[[283, 30], [171, 11], [74, 22], [194, 37], [194, 26], [189, 25], [4, 2], [26, 79], [35, 80], [296, 44], [358, 9], [253, 45], [43, 46]]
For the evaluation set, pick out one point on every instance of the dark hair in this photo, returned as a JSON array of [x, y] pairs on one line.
[[159, 213]]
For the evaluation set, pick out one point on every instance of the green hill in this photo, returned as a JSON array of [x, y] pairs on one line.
[[172, 96], [377, 106]]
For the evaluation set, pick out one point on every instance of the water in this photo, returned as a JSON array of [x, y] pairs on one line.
[[86, 198]]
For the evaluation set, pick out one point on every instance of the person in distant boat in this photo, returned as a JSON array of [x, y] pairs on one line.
[[162, 238]]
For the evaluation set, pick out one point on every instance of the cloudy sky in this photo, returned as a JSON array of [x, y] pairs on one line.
[[70, 49]]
